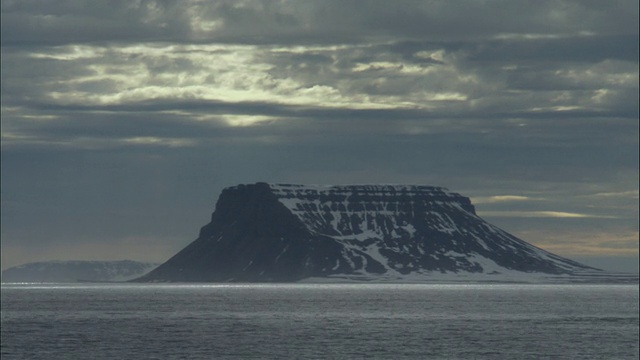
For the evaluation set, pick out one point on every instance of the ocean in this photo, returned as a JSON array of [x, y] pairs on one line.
[[319, 321]]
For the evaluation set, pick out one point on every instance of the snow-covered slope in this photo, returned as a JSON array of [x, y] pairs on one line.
[[75, 270], [412, 228], [284, 232]]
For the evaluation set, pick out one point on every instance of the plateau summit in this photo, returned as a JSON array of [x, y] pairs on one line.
[[282, 232]]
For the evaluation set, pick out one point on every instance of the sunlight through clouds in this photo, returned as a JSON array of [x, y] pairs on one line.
[[542, 214], [147, 140], [245, 120], [229, 73], [529, 108], [502, 198]]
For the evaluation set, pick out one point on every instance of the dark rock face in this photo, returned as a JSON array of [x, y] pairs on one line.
[[76, 270], [268, 232]]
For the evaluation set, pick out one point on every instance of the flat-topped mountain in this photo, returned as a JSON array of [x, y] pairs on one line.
[[275, 232]]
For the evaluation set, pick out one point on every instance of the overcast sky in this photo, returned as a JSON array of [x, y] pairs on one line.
[[123, 120]]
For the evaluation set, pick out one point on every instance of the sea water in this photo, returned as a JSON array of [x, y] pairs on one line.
[[323, 321]]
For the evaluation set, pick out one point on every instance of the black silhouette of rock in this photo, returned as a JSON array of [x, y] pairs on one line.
[[273, 232]]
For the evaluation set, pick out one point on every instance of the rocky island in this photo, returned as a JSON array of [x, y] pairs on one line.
[[284, 232]]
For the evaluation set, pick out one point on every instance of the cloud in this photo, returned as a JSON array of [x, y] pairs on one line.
[[630, 194], [542, 214], [589, 243], [294, 22], [502, 198], [537, 99], [198, 76]]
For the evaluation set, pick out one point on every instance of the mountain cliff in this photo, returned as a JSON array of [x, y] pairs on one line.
[[276, 232]]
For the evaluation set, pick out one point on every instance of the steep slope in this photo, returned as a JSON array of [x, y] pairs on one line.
[[274, 232], [76, 270]]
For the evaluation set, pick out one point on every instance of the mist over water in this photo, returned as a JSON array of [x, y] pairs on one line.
[[107, 321]]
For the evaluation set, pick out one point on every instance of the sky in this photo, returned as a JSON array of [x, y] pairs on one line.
[[123, 120]]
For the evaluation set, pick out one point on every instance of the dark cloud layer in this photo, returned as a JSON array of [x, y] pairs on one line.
[[122, 120], [298, 22]]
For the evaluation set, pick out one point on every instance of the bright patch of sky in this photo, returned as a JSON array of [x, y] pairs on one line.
[[146, 109]]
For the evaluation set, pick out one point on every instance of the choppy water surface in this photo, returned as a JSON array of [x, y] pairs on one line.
[[127, 321]]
